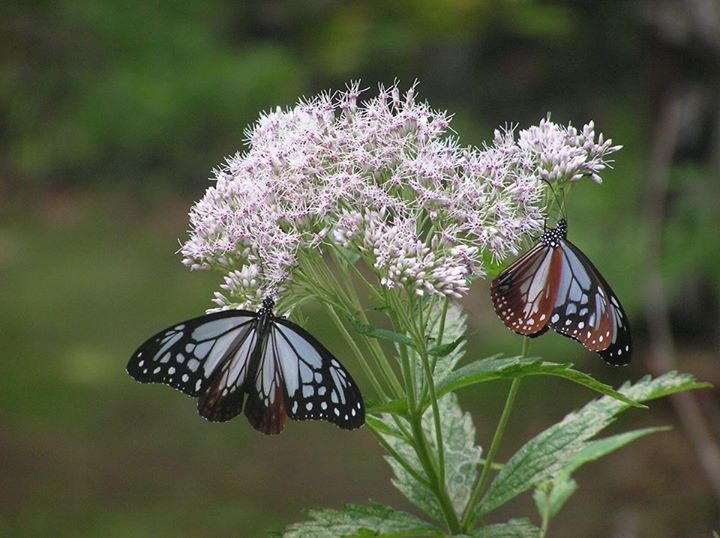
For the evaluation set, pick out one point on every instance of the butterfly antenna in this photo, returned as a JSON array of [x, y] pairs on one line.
[[559, 199]]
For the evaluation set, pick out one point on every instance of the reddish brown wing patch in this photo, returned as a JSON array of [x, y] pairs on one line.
[[524, 293]]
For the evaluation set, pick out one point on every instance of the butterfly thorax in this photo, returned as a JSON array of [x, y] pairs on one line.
[[551, 237], [265, 318]]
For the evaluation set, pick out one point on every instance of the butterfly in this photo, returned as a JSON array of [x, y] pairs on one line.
[[256, 360], [555, 285]]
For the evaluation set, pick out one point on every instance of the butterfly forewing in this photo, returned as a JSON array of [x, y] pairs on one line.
[[185, 355], [225, 392], [524, 293]]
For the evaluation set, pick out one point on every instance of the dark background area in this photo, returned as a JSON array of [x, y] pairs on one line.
[[112, 115]]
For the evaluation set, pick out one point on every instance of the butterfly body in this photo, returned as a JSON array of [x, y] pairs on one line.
[[554, 285], [239, 360]]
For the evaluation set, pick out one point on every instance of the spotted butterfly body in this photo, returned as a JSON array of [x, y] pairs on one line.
[[555, 285], [268, 366]]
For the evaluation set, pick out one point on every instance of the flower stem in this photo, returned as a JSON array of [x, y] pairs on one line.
[[470, 515], [439, 488]]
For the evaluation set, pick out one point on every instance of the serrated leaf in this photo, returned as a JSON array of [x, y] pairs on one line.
[[515, 528], [514, 367], [452, 348], [562, 445], [462, 457], [551, 496], [596, 449], [356, 520], [380, 334]]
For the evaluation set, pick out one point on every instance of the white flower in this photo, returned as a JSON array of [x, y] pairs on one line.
[[381, 177]]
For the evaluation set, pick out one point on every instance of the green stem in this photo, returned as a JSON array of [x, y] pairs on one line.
[[423, 451], [356, 350], [396, 456], [469, 517], [433, 464], [430, 384]]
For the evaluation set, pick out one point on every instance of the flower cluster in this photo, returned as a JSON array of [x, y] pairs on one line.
[[383, 178], [563, 154]]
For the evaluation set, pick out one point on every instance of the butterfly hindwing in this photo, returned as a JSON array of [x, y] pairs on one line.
[[588, 310], [185, 355]]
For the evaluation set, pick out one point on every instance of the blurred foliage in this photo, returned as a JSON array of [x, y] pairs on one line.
[[112, 115]]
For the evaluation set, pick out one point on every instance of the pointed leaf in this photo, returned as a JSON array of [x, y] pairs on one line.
[[444, 350], [381, 334], [515, 528], [560, 446], [395, 407], [354, 520], [551, 496], [594, 450], [508, 368]]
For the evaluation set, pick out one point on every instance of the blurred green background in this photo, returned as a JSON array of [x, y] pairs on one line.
[[112, 115]]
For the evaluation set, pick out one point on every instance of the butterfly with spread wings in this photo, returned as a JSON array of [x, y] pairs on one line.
[[225, 357], [555, 285]]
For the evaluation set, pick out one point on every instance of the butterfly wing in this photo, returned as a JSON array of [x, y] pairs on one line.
[[299, 377], [225, 392], [524, 293], [266, 405], [587, 309], [187, 355]]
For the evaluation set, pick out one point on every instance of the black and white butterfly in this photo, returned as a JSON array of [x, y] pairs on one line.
[[224, 357], [555, 285]]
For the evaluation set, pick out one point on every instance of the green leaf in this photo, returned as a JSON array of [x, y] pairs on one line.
[[395, 407], [551, 496], [462, 457], [515, 528], [563, 445], [452, 348], [444, 350], [348, 255], [412, 482], [508, 368], [380, 334], [355, 520], [595, 450]]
